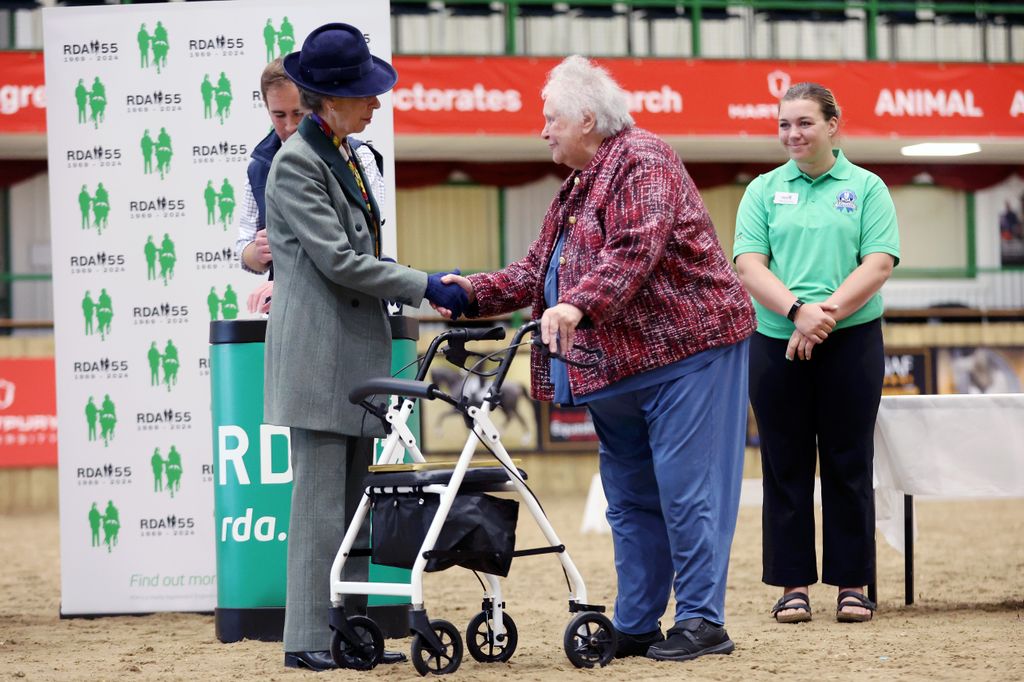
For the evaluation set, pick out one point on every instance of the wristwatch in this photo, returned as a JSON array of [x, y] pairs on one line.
[[792, 311]]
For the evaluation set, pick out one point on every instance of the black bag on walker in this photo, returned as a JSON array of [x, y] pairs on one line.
[[479, 533]]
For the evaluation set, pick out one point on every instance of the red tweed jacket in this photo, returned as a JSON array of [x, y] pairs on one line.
[[641, 259]]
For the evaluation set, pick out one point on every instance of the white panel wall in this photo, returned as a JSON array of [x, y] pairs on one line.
[[604, 36], [661, 36], [542, 35], [729, 37], [28, 29], [484, 34], [525, 207], [417, 33], [30, 249], [933, 227]]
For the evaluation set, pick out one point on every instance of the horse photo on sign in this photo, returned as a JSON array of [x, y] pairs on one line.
[[442, 428]]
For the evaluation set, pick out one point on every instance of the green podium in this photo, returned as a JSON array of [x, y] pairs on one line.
[[252, 489]]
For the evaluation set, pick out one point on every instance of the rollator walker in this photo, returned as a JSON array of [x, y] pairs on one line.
[[402, 498]]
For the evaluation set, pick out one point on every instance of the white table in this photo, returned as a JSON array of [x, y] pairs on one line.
[[943, 445]]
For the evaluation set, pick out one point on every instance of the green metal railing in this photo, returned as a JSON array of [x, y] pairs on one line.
[[5, 251], [8, 277], [874, 12]]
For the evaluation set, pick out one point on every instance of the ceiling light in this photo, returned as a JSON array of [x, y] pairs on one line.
[[941, 149]]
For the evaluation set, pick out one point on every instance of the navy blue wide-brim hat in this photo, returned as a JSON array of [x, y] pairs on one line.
[[335, 61]]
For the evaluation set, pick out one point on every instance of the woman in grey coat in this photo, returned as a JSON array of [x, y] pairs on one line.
[[329, 330]]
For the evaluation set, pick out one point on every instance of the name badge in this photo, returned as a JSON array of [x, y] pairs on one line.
[[786, 197]]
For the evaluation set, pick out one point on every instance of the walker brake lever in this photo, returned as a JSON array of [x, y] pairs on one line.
[[595, 353], [455, 353]]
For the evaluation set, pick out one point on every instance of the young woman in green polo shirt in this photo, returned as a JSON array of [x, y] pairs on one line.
[[815, 240]]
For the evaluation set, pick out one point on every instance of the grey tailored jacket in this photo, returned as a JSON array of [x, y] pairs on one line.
[[328, 328]]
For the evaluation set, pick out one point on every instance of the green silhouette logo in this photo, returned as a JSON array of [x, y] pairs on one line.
[[168, 361], [147, 153], [223, 200], [93, 99], [105, 414], [164, 255], [279, 43], [109, 521], [153, 47], [161, 148], [102, 310], [206, 89], [166, 472], [98, 205], [219, 93], [151, 255], [227, 307]]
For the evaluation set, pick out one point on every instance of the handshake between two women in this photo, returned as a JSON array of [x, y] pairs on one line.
[[449, 294]]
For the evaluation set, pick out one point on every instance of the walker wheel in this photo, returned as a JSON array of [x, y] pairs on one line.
[[448, 660], [363, 654], [482, 643], [589, 640]]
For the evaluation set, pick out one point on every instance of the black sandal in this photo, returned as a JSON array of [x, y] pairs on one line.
[[854, 598], [797, 601]]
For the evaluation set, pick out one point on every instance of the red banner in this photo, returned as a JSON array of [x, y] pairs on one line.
[[22, 94], [28, 413], [501, 96]]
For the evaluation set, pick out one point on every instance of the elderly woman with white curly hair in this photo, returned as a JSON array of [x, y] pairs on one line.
[[628, 244]]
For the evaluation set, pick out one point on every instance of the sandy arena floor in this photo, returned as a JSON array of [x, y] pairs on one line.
[[968, 623]]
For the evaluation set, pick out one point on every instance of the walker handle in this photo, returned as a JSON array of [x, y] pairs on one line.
[[407, 388], [476, 334], [456, 352]]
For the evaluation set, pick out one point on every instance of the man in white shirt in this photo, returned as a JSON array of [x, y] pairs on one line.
[[252, 248]]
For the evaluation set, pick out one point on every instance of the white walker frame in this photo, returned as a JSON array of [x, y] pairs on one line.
[[593, 633]]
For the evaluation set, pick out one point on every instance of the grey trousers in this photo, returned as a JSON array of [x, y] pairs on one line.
[[328, 471]]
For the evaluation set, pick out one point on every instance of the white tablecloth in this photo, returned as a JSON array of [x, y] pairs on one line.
[[946, 445]]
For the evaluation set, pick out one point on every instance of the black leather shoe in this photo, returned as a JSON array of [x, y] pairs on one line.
[[636, 645], [691, 638], [322, 660], [311, 660]]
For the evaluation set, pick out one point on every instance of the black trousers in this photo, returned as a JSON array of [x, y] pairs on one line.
[[825, 406]]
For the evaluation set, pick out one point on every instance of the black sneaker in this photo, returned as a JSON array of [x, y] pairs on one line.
[[636, 645], [691, 638]]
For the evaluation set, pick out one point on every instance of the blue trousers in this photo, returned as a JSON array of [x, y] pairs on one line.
[[671, 460]]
